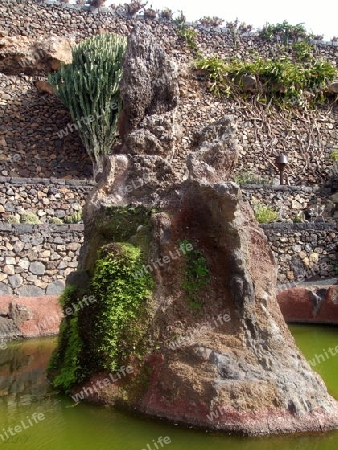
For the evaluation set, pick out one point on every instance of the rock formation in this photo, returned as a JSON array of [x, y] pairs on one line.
[[21, 54], [311, 302], [29, 317], [220, 353]]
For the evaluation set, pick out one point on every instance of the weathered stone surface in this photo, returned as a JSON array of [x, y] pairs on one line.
[[310, 303], [55, 288], [247, 367], [149, 86], [21, 54], [37, 268], [148, 127], [214, 160], [5, 289], [44, 87], [333, 87], [29, 317], [30, 291]]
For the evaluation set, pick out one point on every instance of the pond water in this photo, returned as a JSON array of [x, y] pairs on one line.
[[33, 417]]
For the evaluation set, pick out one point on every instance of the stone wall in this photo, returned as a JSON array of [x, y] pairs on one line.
[[35, 259], [295, 202], [304, 251], [46, 198], [30, 143]]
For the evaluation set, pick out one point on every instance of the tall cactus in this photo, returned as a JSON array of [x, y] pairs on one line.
[[89, 87]]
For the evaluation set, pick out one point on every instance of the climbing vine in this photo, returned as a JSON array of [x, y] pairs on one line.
[[64, 366], [282, 81]]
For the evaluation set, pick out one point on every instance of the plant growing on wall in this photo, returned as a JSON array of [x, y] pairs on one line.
[[208, 21], [134, 7], [284, 31], [64, 366], [122, 289], [280, 79], [264, 214], [89, 87]]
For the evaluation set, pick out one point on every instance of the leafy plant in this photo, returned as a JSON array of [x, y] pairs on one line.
[[180, 20], [12, 219], [189, 35], [217, 70], [166, 14], [281, 80], [66, 359], [89, 87], [238, 27], [29, 218], [285, 31], [334, 155], [73, 218], [122, 288], [303, 50], [64, 366], [249, 178], [196, 274], [264, 214], [208, 21], [298, 218], [55, 221], [150, 13], [134, 7]]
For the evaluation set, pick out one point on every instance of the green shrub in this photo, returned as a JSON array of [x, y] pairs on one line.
[[249, 178], [29, 218], [208, 21], [66, 359], [264, 214], [303, 50], [217, 70], [64, 366], [298, 218], [12, 219], [73, 218], [281, 80], [334, 155], [55, 221], [189, 35], [284, 30], [122, 289]]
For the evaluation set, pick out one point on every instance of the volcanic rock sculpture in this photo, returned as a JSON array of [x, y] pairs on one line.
[[220, 353]]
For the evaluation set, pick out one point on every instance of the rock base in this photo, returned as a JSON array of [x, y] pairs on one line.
[[29, 317], [310, 303]]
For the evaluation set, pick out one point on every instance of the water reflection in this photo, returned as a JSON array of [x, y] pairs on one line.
[[24, 391]]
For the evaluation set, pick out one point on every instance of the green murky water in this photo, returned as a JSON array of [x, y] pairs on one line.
[[41, 420]]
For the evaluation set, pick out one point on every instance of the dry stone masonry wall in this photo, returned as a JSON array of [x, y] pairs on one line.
[[304, 251], [295, 202], [47, 199], [34, 119], [37, 140], [35, 260]]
